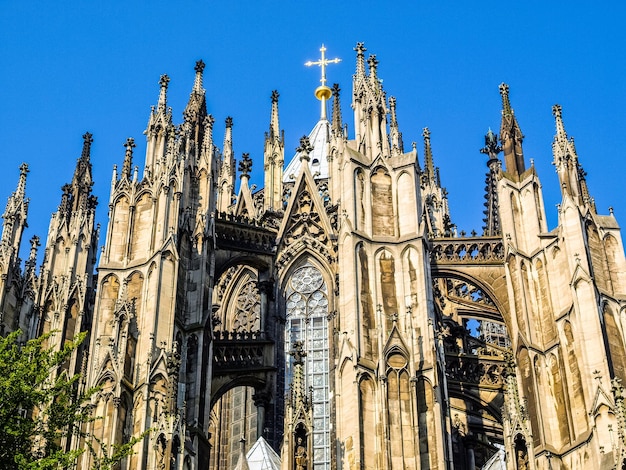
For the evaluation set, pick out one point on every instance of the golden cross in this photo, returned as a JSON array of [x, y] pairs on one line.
[[323, 62]]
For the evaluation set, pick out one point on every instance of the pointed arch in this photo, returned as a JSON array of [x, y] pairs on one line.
[[577, 392], [120, 219], [529, 390], [307, 296], [359, 200], [387, 288], [109, 291], [427, 424], [407, 204], [617, 354], [598, 258], [241, 304], [369, 437], [367, 320], [520, 313], [615, 261], [548, 325], [383, 214], [142, 226]]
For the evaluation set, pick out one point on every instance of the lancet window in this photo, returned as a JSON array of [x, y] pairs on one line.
[[307, 321]]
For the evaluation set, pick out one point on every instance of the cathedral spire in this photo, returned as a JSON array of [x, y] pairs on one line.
[[197, 84], [492, 212], [429, 166], [360, 60], [226, 186], [80, 192], [274, 158], [337, 126], [372, 61], [163, 83], [298, 388], [397, 147], [274, 132], [511, 136], [128, 158], [568, 166], [15, 215]]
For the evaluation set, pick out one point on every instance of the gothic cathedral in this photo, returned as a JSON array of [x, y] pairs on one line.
[[334, 319]]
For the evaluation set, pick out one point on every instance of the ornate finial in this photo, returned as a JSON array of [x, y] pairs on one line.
[[163, 82], [373, 63], [336, 119], [209, 120], [305, 148], [128, 157], [322, 92], [199, 68], [87, 141], [429, 166], [504, 92], [360, 60], [245, 165], [21, 184], [298, 353], [557, 112], [275, 96], [491, 148], [229, 121], [392, 106]]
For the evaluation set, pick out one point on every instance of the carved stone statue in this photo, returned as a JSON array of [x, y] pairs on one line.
[[301, 455]]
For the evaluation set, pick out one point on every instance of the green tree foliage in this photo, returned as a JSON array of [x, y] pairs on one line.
[[41, 408]]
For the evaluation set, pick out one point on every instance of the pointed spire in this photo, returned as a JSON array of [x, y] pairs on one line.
[[207, 141], [429, 167], [492, 213], [163, 82], [128, 158], [298, 388], [373, 64], [31, 262], [397, 146], [337, 126], [506, 104], [82, 180], [511, 136], [87, 141], [228, 140], [242, 461], [226, 185], [568, 167], [15, 213], [273, 160], [197, 84], [274, 128], [20, 192], [360, 59]]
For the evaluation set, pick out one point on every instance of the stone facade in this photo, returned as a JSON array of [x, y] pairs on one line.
[[336, 312]]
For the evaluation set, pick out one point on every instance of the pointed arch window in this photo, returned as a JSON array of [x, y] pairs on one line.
[[307, 321]]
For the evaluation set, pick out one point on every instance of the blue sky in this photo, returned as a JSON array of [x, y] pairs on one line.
[[70, 67]]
